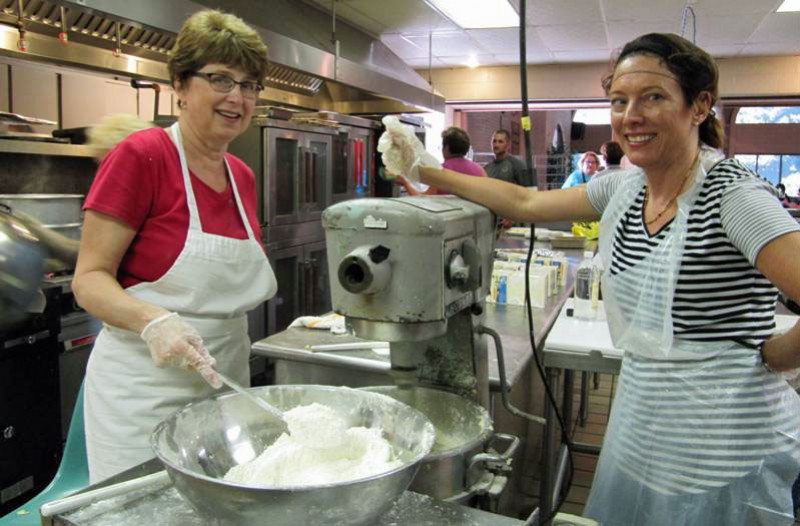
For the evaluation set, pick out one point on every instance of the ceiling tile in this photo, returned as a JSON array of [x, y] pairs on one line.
[[560, 12], [454, 43], [502, 40], [422, 63], [592, 55], [406, 47], [739, 7], [573, 37], [542, 57], [623, 32], [648, 10], [405, 16], [723, 30], [771, 48], [725, 50], [463, 60], [778, 27]]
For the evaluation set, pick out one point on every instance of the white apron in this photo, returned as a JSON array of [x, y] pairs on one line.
[[212, 284], [700, 433]]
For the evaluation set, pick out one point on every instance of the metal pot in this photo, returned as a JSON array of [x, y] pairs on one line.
[[48, 209], [21, 261], [463, 461]]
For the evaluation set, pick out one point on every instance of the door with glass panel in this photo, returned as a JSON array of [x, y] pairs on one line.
[[315, 176], [284, 150]]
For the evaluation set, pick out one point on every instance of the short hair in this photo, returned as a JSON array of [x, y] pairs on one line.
[[694, 69], [456, 139], [613, 152], [502, 131], [588, 154], [211, 36]]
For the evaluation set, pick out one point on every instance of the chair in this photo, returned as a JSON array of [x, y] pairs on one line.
[[72, 474]]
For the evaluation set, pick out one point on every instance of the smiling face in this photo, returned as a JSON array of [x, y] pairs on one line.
[[653, 122], [219, 117], [590, 165]]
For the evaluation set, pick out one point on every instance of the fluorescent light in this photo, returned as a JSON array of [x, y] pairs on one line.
[[789, 6], [476, 14]]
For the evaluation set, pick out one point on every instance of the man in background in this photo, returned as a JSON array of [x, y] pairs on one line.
[[505, 166], [455, 145], [612, 156]]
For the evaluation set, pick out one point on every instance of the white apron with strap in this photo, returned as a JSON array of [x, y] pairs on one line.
[[700, 433], [212, 284]]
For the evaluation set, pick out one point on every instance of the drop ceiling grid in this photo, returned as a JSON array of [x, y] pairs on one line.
[[566, 31]]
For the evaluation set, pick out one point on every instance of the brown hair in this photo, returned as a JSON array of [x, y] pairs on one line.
[[211, 36], [694, 69], [456, 139], [503, 131], [613, 152]]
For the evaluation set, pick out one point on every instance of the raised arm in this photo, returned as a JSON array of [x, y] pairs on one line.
[[513, 201]]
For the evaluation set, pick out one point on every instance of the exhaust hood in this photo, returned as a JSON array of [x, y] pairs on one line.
[[133, 38]]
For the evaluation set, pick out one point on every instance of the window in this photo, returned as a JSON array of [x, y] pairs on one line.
[[768, 115], [776, 169], [593, 116]]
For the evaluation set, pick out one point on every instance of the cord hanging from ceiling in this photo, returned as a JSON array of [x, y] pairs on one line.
[[687, 9]]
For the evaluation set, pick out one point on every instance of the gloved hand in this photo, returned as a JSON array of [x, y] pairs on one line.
[[403, 153], [173, 342]]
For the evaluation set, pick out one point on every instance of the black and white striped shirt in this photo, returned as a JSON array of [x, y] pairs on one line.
[[720, 295]]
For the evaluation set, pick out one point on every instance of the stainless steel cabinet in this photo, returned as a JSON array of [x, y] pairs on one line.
[[298, 175], [303, 289]]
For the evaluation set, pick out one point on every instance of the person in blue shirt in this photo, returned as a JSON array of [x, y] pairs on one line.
[[587, 167]]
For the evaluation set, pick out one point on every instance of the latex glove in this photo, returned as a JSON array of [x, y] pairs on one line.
[[173, 342], [402, 151]]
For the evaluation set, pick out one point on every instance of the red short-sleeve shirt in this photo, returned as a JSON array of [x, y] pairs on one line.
[[140, 183]]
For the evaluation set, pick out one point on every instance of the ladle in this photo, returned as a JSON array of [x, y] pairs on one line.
[[260, 402]]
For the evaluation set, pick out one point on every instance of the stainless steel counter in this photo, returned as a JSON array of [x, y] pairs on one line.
[[295, 363], [163, 506]]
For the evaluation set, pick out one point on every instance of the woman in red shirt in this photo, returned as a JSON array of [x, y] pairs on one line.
[[170, 257]]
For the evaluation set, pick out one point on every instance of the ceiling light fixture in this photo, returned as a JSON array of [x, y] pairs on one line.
[[472, 62], [789, 6], [477, 14]]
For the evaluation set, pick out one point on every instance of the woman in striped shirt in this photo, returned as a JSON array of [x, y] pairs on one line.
[[703, 430]]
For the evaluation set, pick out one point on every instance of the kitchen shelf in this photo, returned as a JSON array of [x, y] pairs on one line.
[[44, 148]]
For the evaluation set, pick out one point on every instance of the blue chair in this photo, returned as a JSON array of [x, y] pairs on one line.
[[72, 474]]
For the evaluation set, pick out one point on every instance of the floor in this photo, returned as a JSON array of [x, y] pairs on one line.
[[591, 433]]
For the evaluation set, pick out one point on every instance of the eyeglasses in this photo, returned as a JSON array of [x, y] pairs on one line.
[[224, 84]]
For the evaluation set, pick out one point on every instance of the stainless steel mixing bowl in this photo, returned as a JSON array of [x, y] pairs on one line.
[[201, 442], [462, 429]]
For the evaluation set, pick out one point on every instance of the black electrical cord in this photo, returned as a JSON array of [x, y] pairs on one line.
[[523, 74]]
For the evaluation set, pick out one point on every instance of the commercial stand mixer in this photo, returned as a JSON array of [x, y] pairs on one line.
[[415, 272]]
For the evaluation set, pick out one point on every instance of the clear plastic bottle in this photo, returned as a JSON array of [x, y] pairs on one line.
[[583, 288], [597, 274]]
